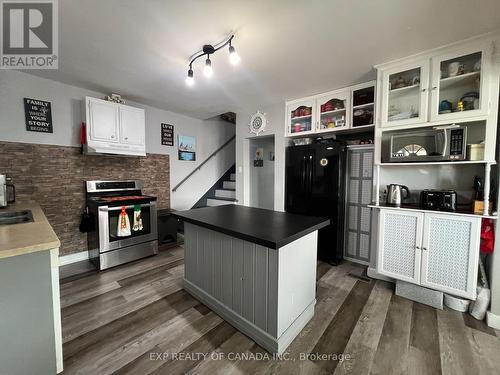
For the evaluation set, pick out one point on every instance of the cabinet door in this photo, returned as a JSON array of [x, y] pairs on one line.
[[450, 254], [103, 121], [333, 111], [358, 196], [405, 94], [132, 125], [400, 238], [363, 105], [301, 117], [460, 84]]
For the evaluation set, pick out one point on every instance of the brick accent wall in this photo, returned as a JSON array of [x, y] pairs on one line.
[[55, 176]]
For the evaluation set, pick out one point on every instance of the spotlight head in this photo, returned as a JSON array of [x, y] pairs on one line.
[[207, 70], [190, 78], [234, 58]]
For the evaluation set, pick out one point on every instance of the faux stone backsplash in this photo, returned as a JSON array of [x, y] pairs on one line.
[[55, 176]]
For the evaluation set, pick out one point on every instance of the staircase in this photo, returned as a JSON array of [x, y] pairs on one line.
[[222, 192], [225, 194]]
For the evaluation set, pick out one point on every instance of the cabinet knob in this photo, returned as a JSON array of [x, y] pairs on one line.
[[112, 136], [424, 90], [424, 248], [434, 87], [417, 247], [126, 138]]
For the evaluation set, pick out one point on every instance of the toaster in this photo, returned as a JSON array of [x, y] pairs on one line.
[[440, 200]]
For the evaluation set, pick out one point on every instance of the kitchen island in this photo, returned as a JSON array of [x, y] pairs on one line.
[[256, 268]]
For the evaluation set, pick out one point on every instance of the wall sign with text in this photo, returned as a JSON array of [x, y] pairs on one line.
[[38, 116], [167, 135]]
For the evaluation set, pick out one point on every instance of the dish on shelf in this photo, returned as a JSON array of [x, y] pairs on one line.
[[361, 117], [332, 105], [302, 112], [403, 116]]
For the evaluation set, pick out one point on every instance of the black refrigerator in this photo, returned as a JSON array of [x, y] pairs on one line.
[[314, 186]]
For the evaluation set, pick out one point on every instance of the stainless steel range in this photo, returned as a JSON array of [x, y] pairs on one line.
[[112, 241]]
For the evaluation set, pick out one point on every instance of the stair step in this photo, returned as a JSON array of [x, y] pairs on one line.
[[229, 185], [225, 193], [233, 177], [212, 202]]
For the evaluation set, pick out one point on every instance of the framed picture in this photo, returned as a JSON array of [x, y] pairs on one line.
[[38, 115], [187, 148], [258, 160], [167, 134]]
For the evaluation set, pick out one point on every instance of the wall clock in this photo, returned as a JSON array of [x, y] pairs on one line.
[[258, 122]]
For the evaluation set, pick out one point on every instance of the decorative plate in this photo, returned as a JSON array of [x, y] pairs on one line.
[[258, 122]]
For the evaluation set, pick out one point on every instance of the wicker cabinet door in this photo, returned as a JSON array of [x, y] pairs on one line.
[[400, 238], [450, 254], [358, 197]]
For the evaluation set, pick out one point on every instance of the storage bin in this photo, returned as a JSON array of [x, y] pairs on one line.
[[475, 151]]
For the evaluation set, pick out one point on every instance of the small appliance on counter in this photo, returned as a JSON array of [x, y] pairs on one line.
[[3, 190], [7, 191], [439, 200], [395, 196]]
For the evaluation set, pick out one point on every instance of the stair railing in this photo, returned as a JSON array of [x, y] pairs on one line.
[[204, 162]]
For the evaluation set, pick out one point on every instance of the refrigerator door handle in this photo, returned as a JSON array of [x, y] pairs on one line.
[[310, 177], [303, 173]]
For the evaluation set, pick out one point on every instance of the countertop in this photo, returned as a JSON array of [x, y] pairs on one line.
[[416, 207], [19, 239], [268, 228]]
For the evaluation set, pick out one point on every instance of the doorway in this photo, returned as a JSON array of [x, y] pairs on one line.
[[261, 176]]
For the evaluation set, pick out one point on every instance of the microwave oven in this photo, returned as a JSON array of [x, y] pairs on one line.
[[440, 143]]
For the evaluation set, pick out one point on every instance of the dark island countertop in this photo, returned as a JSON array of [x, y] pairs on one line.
[[268, 228]]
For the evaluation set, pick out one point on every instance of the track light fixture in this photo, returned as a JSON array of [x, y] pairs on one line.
[[208, 50]]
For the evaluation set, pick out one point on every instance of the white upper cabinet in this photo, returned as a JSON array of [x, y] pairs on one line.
[[301, 117], [459, 86], [405, 93], [130, 130], [114, 128], [102, 121], [451, 84], [333, 111]]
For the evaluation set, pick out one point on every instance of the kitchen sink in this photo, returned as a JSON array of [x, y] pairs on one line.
[[16, 217]]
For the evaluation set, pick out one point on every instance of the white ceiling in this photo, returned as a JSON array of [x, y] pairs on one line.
[[289, 49]]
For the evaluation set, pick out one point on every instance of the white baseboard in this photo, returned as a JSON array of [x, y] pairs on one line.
[[73, 258], [492, 320], [372, 272]]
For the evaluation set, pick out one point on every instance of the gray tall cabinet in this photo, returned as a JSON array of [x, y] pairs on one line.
[[359, 189]]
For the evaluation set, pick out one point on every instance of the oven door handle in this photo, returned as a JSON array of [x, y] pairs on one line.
[[118, 208]]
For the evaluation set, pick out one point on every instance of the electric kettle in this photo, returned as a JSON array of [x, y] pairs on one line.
[[394, 195]]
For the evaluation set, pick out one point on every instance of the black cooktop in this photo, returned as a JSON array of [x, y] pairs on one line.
[[120, 200]]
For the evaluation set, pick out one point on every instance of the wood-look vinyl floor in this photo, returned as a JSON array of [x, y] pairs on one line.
[[137, 319]]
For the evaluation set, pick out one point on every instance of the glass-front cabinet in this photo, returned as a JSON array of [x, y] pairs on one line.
[[457, 84], [333, 111], [363, 105], [405, 94], [301, 117]]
